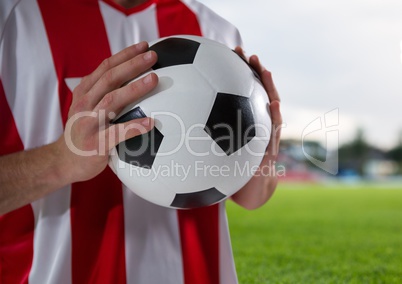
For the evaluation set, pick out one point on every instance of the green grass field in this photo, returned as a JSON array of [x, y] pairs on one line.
[[314, 234]]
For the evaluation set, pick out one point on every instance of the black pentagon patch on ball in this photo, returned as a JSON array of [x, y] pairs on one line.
[[140, 150], [231, 122], [197, 199], [174, 51]]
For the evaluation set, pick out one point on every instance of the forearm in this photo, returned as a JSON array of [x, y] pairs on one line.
[[29, 175], [258, 190]]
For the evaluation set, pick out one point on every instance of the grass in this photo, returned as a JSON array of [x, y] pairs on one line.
[[314, 234]]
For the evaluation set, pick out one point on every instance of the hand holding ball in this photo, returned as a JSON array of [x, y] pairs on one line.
[[212, 126]]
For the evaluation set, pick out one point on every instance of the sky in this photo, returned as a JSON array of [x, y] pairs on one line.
[[337, 64]]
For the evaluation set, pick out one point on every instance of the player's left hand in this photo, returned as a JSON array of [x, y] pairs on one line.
[[262, 185]]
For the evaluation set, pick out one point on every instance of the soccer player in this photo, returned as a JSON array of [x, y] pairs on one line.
[[66, 218]]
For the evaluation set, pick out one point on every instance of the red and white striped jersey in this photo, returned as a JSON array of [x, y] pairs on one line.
[[96, 231]]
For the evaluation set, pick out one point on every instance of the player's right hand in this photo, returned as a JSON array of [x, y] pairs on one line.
[[89, 134]]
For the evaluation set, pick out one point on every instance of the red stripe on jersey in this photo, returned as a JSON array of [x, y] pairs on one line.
[[199, 228], [77, 39], [199, 234], [175, 18], [97, 220], [10, 141], [16, 245], [79, 43], [16, 227]]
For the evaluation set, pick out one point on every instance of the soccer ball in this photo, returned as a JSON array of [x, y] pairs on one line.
[[212, 126]]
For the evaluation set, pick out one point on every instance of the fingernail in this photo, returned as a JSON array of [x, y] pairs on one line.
[[148, 55], [146, 122], [141, 45], [147, 79]]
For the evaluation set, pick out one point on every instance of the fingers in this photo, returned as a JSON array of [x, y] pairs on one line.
[[126, 54], [267, 81], [117, 76], [116, 100], [120, 132], [266, 76], [254, 61], [276, 117], [241, 52]]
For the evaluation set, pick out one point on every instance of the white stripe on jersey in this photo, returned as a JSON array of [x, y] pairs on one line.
[[212, 25], [30, 84], [6, 9], [123, 31], [72, 82], [152, 242], [52, 239]]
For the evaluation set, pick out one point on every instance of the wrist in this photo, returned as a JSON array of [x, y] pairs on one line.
[[62, 163]]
